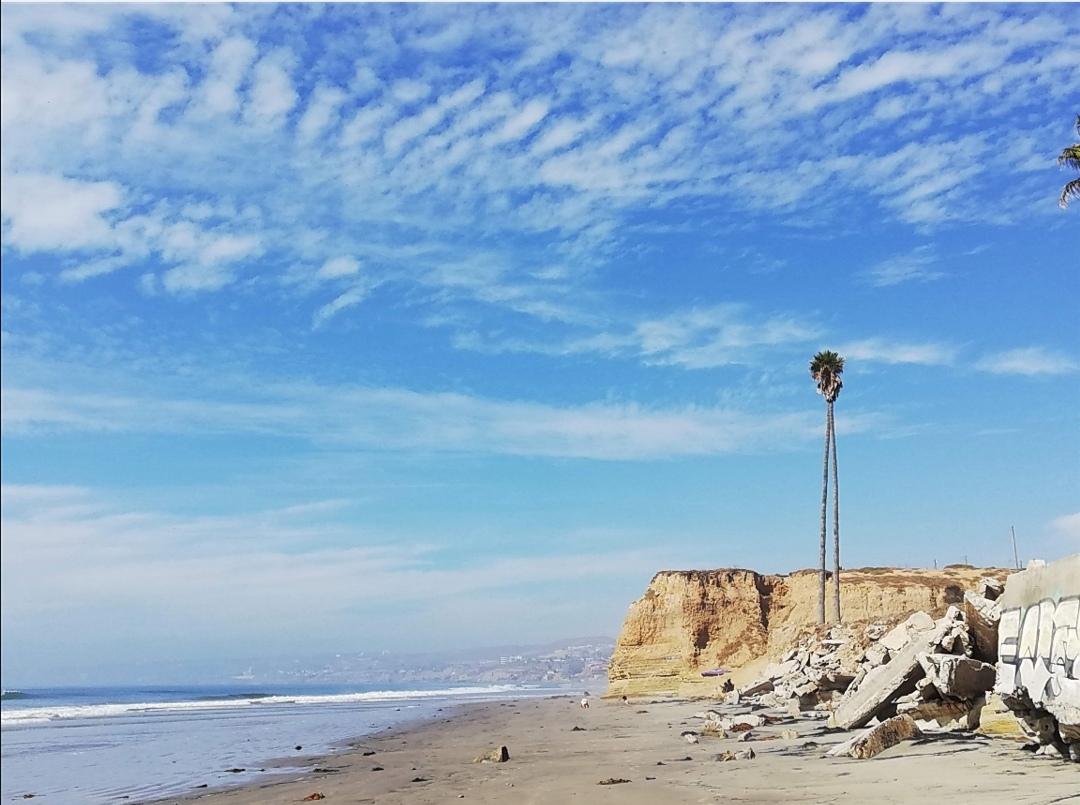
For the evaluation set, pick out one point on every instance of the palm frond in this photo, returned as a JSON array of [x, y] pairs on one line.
[[1070, 157], [826, 368], [1069, 192]]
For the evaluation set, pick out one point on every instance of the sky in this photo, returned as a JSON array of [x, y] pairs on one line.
[[340, 328]]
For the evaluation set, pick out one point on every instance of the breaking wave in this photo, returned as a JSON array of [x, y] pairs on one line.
[[30, 715]]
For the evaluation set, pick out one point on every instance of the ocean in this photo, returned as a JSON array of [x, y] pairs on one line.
[[98, 745]]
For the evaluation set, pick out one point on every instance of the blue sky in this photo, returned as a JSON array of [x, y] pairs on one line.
[[348, 327]]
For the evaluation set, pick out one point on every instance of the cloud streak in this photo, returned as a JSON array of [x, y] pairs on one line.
[[1028, 362], [403, 420]]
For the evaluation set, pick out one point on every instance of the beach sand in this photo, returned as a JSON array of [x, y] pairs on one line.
[[641, 743]]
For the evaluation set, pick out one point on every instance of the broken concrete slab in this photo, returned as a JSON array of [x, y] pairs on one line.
[[945, 714], [998, 721], [899, 637], [762, 685], [876, 655], [990, 588], [982, 615], [958, 677], [888, 733]]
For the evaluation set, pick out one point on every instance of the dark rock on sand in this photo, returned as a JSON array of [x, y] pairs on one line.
[[613, 781]]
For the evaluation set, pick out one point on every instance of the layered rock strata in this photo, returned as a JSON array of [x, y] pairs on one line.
[[692, 621]]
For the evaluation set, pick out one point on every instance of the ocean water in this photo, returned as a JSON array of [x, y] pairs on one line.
[[98, 745]]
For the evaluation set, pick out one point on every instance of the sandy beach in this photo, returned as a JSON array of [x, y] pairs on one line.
[[640, 743]]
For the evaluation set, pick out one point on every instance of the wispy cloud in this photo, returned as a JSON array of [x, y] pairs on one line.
[[106, 151], [1067, 525], [691, 338], [916, 266], [879, 350], [1028, 361], [398, 419], [264, 571]]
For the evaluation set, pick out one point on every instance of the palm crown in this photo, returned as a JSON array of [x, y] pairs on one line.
[[1070, 158], [826, 368]]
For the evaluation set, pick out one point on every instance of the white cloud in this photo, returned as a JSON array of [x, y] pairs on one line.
[[229, 63], [350, 298], [1067, 525], [337, 267], [213, 260], [44, 213], [878, 350], [1028, 361], [272, 95], [321, 112], [521, 123], [561, 133], [408, 90]]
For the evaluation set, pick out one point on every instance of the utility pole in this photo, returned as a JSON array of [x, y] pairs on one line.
[[1016, 556]]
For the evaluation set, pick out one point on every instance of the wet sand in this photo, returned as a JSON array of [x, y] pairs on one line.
[[640, 742]]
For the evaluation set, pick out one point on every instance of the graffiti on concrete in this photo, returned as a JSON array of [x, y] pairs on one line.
[[1039, 650]]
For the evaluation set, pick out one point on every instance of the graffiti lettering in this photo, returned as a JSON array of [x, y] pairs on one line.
[[1039, 650]]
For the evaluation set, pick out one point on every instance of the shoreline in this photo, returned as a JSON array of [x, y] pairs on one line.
[[640, 743]]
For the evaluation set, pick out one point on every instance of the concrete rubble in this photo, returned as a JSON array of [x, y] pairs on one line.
[[927, 675]]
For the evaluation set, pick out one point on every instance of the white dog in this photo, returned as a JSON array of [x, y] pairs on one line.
[[585, 703]]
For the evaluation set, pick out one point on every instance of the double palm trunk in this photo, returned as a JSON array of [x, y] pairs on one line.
[[824, 515], [830, 444], [835, 520]]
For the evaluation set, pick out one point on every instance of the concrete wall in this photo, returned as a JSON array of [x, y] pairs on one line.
[[1039, 640]]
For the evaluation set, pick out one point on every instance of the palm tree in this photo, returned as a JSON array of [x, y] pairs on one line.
[[825, 369], [1070, 158]]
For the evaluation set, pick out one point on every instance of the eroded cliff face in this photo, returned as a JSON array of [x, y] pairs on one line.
[[689, 621]]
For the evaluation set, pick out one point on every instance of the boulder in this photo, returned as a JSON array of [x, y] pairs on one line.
[[498, 755], [744, 754], [740, 723]]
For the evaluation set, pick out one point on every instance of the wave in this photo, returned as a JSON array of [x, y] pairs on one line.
[[12, 695], [25, 716], [225, 697]]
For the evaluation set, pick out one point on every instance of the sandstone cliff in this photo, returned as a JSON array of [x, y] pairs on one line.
[[692, 620]]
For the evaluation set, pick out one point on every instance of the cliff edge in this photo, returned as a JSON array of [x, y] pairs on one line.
[[689, 621]]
